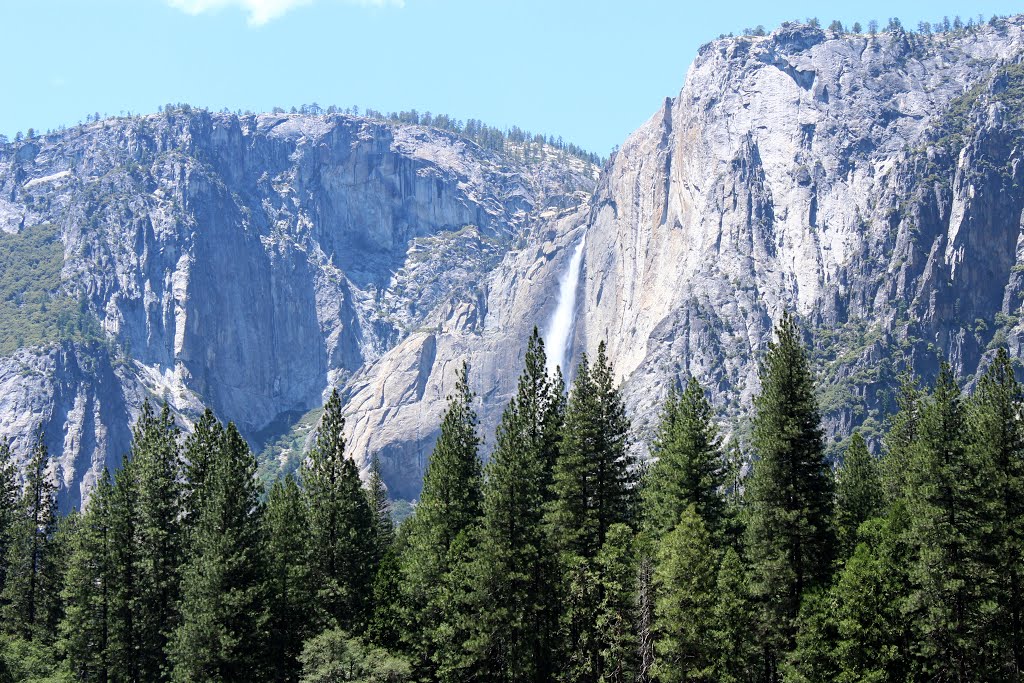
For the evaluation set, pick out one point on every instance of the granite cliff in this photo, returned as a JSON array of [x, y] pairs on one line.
[[243, 263], [872, 184]]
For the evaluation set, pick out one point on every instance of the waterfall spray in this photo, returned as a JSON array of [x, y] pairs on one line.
[[560, 326]]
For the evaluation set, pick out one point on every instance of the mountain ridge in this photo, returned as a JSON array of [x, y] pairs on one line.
[[727, 207], [249, 264], [252, 262]]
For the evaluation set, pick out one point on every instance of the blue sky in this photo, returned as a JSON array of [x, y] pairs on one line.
[[589, 70]]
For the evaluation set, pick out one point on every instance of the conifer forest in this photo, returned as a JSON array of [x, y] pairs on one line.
[[725, 385], [557, 557]]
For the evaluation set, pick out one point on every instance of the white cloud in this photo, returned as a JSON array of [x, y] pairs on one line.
[[262, 11]]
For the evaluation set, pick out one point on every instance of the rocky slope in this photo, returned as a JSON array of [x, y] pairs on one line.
[[873, 184], [870, 184], [245, 263]]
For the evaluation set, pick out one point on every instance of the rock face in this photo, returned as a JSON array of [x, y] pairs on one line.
[[249, 263], [871, 184]]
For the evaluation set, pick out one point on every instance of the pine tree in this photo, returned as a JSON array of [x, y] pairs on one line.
[[383, 529], [594, 488], [689, 468], [813, 657], [201, 448], [946, 518], [997, 445], [450, 503], [553, 426], [789, 533], [514, 583], [458, 612], [616, 474], [571, 517], [874, 639], [736, 657], [340, 527], [289, 587], [547, 583], [900, 438], [616, 614], [9, 495], [157, 472], [735, 509], [580, 642], [31, 594], [685, 576], [858, 494], [222, 635], [387, 625], [88, 584], [124, 591]]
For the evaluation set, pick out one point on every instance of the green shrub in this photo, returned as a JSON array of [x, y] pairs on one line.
[[335, 656], [30, 662]]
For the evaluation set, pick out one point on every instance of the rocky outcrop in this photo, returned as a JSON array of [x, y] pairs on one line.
[[250, 263], [81, 400], [872, 184], [868, 183], [812, 172]]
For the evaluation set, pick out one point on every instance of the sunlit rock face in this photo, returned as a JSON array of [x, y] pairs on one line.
[[815, 173], [250, 263], [870, 184]]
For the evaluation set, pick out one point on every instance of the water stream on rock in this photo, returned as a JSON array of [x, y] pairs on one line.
[[560, 327]]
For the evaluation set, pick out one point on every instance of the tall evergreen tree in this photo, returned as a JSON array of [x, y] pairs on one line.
[[689, 468], [388, 624], [735, 509], [997, 445], [946, 514], [736, 654], [552, 425], [340, 526], [616, 474], [200, 450], [875, 640], [686, 573], [616, 624], [452, 495], [157, 471], [859, 495], [88, 585], [572, 516], [594, 488], [813, 657], [31, 595], [124, 591], [450, 504], [222, 636], [383, 529], [289, 587], [900, 439], [458, 603], [514, 582], [789, 532], [9, 495]]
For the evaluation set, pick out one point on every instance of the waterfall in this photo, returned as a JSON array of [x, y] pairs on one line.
[[560, 326]]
